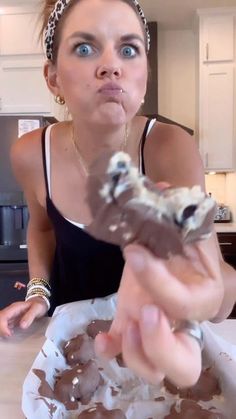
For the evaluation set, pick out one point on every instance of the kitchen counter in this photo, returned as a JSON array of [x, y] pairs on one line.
[[18, 353], [16, 357], [225, 227]]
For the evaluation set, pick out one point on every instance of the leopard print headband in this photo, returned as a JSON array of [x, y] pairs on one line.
[[56, 14]]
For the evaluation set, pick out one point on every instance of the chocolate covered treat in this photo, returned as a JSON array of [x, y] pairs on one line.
[[191, 410], [127, 207], [77, 385], [80, 350], [98, 326], [100, 412], [206, 387]]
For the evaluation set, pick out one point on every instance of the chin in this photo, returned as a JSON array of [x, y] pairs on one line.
[[116, 114]]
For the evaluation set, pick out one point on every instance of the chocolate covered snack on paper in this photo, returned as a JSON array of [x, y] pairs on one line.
[[100, 412], [188, 409], [205, 389], [127, 207], [79, 349], [98, 326], [77, 385]]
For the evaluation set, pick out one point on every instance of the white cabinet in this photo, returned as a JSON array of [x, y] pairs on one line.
[[24, 38], [217, 117], [217, 90], [217, 38], [22, 85]]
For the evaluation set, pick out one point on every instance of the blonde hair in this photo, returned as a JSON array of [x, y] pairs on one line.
[[48, 7]]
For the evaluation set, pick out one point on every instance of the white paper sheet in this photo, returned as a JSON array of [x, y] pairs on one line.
[[137, 403]]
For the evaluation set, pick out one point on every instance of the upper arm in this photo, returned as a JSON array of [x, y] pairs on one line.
[[171, 155], [26, 160]]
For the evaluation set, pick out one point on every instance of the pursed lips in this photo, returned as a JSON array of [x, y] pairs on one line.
[[110, 89]]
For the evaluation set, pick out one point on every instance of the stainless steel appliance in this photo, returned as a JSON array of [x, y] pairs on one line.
[[13, 209]]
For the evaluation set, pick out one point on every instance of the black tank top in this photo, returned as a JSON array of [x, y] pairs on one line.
[[83, 267]]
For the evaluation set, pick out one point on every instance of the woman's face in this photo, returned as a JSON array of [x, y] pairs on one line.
[[101, 68]]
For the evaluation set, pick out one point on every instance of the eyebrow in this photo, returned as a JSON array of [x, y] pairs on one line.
[[89, 37]]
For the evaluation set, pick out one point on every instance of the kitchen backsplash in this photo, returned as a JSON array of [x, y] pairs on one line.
[[223, 189]]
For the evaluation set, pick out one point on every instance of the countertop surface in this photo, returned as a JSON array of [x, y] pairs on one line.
[[18, 353], [225, 227]]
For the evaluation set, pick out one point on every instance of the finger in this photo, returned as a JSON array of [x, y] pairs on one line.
[[108, 345], [178, 299], [178, 354], [10, 314], [153, 274], [135, 357], [35, 311], [162, 185]]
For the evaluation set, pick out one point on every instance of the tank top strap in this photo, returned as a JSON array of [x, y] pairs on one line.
[[45, 140], [147, 129]]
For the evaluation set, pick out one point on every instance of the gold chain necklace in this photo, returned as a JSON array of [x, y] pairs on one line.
[[82, 161]]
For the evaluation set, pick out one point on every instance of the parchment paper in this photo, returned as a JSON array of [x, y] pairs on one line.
[[135, 397]]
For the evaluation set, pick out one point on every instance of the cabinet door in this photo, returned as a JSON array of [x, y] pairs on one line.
[[217, 117], [217, 38], [22, 86], [21, 40]]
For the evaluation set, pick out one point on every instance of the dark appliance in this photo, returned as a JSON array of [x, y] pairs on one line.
[[13, 210]]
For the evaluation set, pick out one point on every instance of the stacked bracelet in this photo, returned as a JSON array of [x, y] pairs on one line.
[[39, 287]]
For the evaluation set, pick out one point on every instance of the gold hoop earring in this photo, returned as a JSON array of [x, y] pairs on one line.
[[59, 100]]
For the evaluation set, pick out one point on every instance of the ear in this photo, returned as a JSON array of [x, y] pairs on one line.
[[50, 75]]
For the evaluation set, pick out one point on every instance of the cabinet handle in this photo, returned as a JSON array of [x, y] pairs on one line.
[[207, 51], [206, 160], [226, 244]]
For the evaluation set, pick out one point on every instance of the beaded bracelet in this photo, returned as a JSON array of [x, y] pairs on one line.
[[39, 288], [38, 281]]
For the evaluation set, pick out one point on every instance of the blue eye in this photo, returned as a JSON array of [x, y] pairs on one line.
[[129, 51], [83, 50]]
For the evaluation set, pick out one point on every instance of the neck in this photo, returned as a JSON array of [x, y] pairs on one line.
[[91, 142]]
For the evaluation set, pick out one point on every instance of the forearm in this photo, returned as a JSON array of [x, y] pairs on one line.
[[41, 248], [229, 277]]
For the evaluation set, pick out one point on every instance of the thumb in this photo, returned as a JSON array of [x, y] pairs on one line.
[[34, 311], [137, 258]]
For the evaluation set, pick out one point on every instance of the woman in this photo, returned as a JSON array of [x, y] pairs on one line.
[[97, 66]]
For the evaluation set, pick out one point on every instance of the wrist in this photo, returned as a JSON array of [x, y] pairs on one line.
[[38, 298], [39, 287]]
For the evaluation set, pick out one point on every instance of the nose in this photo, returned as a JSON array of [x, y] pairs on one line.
[[108, 70], [109, 65]]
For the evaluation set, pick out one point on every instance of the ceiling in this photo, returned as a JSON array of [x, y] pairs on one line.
[[179, 14], [170, 14]]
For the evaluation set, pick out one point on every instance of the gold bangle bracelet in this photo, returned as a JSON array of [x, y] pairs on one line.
[[38, 281]]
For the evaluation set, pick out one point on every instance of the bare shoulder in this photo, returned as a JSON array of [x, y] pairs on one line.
[[172, 155], [26, 156]]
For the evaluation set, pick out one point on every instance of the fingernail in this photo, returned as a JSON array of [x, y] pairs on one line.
[[150, 316], [135, 260]]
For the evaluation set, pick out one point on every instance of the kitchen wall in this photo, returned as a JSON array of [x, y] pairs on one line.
[[176, 84], [178, 99]]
